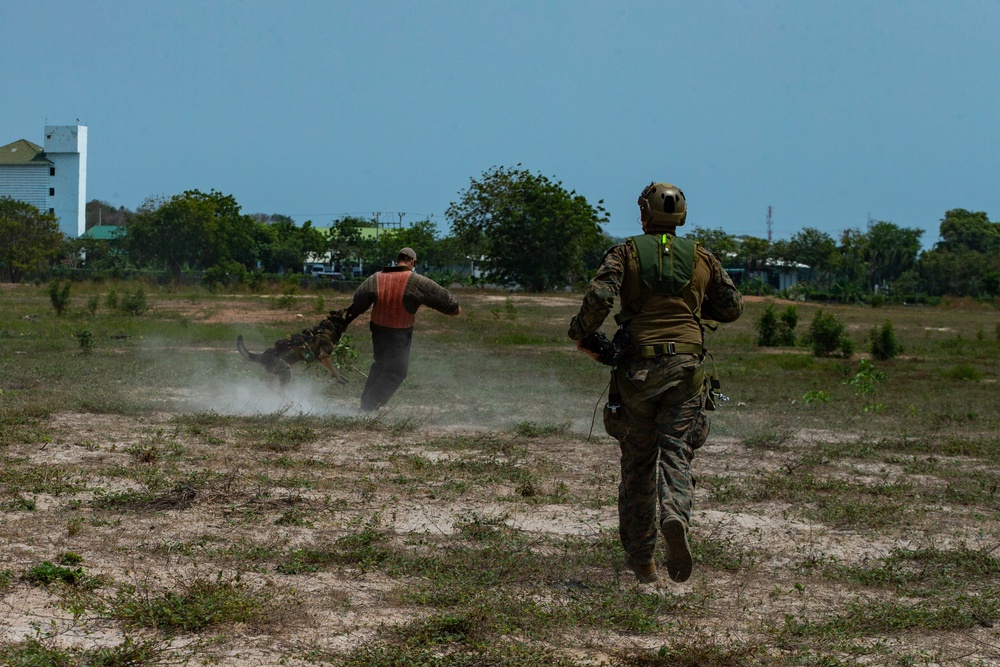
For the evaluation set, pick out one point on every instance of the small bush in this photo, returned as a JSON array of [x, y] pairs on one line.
[[865, 383], [111, 300], [790, 317], [884, 344], [827, 334], [135, 303], [287, 299], [816, 396], [86, 341], [59, 296], [774, 330], [876, 300]]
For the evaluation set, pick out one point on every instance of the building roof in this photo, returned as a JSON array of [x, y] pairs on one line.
[[103, 232], [23, 151]]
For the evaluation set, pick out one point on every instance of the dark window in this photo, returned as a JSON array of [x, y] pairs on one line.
[[52, 211], [52, 192], [52, 171]]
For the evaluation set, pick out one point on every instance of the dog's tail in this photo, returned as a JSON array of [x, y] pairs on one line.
[[244, 352]]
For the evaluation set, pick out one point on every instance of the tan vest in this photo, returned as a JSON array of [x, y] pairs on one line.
[[665, 319]]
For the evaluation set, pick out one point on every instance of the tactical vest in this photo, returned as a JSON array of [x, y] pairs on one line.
[[661, 291]]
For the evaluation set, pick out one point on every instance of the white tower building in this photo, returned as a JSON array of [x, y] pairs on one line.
[[66, 149]]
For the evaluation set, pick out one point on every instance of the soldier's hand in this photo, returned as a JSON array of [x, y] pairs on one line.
[[590, 353]]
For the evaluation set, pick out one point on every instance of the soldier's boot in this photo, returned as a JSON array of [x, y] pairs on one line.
[[645, 572], [679, 561]]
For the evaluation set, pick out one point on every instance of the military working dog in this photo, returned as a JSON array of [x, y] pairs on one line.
[[316, 344]]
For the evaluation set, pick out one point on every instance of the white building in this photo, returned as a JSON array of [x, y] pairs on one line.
[[53, 178]]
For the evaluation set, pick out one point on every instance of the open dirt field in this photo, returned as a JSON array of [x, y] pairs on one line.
[[276, 533]]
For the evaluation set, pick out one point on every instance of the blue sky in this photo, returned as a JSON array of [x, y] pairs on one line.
[[830, 112]]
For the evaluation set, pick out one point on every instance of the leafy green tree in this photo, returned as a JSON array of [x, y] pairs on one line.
[[194, 230], [891, 250], [753, 253], [717, 241], [964, 230], [850, 268], [527, 228], [421, 236], [282, 246], [29, 239], [815, 249], [432, 251], [966, 261], [352, 241]]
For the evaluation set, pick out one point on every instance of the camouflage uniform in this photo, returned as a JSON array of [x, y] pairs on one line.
[[662, 417]]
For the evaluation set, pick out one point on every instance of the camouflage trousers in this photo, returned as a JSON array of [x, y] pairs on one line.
[[661, 420]]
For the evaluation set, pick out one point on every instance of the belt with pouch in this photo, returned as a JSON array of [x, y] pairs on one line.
[[663, 349]]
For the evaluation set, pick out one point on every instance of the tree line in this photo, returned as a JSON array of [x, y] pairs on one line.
[[885, 260], [510, 226]]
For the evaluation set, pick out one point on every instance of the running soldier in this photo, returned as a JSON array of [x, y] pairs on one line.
[[670, 289]]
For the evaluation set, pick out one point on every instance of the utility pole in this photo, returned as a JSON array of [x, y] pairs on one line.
[[770, 224]]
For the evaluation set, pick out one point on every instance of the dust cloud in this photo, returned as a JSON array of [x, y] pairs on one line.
[[446, 388]]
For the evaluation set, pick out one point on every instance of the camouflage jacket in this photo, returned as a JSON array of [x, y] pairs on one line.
[[722, 301]]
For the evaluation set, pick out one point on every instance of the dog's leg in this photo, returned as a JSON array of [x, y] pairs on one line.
[[334, 373]]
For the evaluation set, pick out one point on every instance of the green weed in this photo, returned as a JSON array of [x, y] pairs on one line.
[[46, 573], [198, 604], [34, 652]]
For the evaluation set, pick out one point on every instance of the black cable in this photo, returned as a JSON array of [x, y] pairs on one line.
[[593, 419]]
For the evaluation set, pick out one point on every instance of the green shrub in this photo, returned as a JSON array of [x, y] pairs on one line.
[[865, 383], [816, 396], [111, 300], [287, 299], [884, 344], [46, 573], [790, 317], [827, 334], [135, 303], [59, 296], [86, 341], [774, 330]]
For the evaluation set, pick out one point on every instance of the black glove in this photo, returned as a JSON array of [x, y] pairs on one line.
[[599, 344]]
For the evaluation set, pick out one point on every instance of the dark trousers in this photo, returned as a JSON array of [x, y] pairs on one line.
[[391, 349]]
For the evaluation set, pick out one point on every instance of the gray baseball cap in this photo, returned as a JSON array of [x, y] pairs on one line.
[[407, 252]]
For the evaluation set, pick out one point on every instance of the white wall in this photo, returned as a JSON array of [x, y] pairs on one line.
[[66, 147]]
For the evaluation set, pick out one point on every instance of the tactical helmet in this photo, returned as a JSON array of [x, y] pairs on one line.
[[664, 205]]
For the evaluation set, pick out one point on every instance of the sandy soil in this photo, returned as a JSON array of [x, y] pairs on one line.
[[337, 609]]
